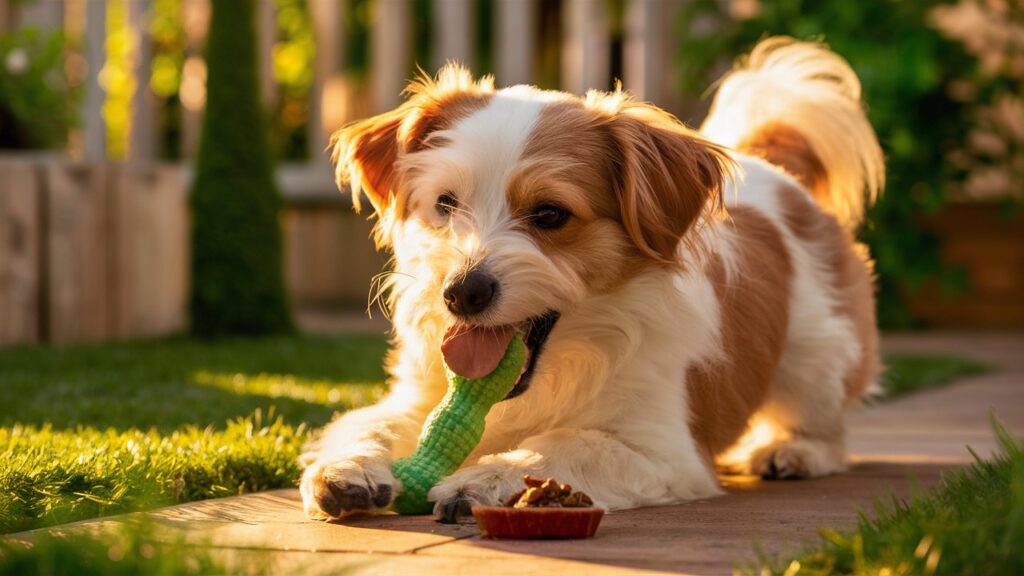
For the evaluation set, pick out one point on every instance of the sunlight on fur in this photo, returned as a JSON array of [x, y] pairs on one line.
[[761, 433]]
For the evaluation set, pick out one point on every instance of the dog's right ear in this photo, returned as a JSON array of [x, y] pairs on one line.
[[364, 152], [364, 155]]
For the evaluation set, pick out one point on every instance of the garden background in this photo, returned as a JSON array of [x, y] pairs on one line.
[[161, 273]]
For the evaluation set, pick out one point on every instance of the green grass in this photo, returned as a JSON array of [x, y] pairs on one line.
[[88, 431], [96, 430], [911, 373], [973, 524], [128, 551], [169, 383], [132, 548]]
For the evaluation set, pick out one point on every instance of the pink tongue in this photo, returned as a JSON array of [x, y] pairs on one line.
[[475, 352]]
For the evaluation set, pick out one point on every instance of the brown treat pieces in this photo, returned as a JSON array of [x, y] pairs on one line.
[[511, 500], [551, 489], [532, 482], [547, 494], [577, 500]]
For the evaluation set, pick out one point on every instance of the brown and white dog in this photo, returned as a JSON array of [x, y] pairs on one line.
[[689, 299]]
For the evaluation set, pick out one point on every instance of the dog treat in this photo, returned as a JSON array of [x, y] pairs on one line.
[[544, 509], [547, 494], [453, 429]]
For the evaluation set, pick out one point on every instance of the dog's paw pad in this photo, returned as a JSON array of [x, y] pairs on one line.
[[331, 490]]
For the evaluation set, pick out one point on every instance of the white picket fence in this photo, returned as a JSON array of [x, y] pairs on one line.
[[586, 53]]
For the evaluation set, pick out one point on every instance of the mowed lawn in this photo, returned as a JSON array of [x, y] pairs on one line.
[[95, 430]]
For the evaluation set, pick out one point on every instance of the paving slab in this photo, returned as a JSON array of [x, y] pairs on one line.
[[897, 448]]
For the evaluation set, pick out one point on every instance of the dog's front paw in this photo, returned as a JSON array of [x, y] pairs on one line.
[[484, 484], [333, 488]]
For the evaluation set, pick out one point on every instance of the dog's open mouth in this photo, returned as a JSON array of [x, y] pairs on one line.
[[475, 351]]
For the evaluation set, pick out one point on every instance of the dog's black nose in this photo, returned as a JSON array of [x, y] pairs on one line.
[[470, 294]]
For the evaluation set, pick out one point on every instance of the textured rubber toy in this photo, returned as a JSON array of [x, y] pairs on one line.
[[453, 429]]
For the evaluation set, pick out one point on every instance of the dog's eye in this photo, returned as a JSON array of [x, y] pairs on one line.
[[445, 204], [549, 217]]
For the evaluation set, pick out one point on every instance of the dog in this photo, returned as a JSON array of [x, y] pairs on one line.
[[691, 301]]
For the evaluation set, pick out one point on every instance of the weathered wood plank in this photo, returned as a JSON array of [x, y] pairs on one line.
[[514, 41], [586, 49], [149, 252], [389, 52], [329, 256], [78, 259], [19, 253]]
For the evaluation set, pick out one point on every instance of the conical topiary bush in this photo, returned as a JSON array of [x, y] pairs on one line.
[[237, 283]]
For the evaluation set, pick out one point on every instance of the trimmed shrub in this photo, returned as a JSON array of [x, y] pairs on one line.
[[237, 282]]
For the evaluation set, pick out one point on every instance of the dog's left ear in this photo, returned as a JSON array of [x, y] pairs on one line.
[[670, 177]]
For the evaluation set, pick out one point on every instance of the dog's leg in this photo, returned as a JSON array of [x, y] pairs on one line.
[[617, 473], [807, 405], [349, 469]]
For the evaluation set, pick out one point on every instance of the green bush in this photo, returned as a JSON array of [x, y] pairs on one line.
[[36, 104], [905, 67], [237, 283]]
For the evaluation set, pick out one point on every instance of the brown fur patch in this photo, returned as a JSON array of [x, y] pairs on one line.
[[754, 308], [669, 177], [786, 148], [635, 179], [569, 161], [851, 271]]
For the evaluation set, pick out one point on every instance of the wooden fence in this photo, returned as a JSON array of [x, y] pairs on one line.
[[91, 252], [98, 251]]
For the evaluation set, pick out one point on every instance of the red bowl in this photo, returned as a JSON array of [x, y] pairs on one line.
[[537, 523]]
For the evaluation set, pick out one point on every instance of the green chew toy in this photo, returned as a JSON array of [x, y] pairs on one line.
[[453, 429]]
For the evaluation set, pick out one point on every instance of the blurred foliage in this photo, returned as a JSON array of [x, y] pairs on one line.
[[992, 156], [294, 50], [37, 106], [357, 39], [117, 79], [237, 277], [126, 549], [911, 373], [906, 68], [167, 35]]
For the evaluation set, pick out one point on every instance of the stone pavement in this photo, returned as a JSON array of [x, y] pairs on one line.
[[896, 447]]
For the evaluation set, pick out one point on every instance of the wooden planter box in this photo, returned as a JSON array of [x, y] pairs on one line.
[[990, 247], [90, 252]]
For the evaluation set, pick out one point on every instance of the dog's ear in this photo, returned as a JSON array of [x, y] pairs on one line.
[[364, 152], [364, 155], [669, 177]]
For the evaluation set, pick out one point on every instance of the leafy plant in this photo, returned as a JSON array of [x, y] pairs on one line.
[[906, 68], [993, 155], [237, 279], [37, 106]]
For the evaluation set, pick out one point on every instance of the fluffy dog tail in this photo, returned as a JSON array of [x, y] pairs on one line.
[[797, 105]]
